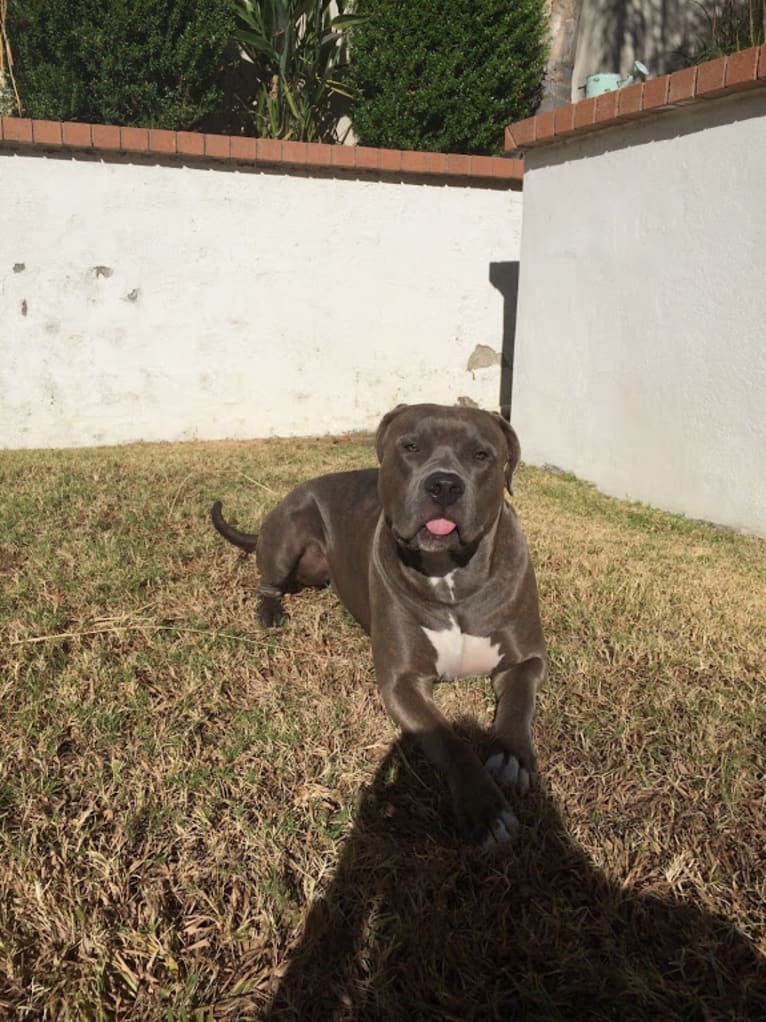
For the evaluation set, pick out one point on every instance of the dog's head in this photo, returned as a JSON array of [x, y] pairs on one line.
[[442, 474]]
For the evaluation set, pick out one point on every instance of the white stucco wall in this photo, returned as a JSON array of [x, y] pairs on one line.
[[641, 337], [237, 304]]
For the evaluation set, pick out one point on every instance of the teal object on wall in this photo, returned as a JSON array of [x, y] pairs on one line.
[[598, 84]]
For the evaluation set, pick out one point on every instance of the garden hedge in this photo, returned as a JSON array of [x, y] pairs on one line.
[[149, 63], [446, 75]]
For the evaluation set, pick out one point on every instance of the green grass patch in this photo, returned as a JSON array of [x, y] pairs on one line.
[[202, 821]]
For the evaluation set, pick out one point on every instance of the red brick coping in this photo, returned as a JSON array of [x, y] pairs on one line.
[[722, 77], [111, 139]]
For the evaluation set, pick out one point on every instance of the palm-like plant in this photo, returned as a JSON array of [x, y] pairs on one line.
[[297, 55]]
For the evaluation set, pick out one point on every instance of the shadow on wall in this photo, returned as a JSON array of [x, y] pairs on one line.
[[413, 926], [614, 33], [505, 277]]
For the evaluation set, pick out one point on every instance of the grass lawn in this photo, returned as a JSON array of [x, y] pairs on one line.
[[201, 821]]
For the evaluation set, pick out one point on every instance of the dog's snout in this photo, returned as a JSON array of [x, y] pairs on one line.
[[444, 487]]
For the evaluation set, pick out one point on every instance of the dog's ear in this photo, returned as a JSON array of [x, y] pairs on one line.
[[514, 450], [385, 422]]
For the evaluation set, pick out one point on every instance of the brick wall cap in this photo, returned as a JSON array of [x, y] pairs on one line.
[[271, 154], [736, 73]]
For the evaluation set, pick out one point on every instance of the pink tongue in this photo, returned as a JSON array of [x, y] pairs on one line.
[[440, 526]]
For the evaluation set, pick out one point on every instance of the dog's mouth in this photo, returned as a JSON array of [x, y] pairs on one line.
[[431, 529], [440, 526], [437, 534]]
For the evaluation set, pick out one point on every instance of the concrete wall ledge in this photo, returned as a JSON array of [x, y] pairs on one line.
[[739, 72]]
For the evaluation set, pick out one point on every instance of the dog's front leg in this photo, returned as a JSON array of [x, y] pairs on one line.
[[512, 759], [483, 815]]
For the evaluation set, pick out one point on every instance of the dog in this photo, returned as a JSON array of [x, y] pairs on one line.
[[430, 559]]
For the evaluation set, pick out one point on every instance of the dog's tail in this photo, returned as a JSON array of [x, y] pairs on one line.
[[245, 540]]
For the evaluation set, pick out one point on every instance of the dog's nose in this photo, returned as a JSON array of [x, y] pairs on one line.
[[444, 487]]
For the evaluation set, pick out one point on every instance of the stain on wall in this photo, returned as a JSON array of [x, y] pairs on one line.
[[482, 357]]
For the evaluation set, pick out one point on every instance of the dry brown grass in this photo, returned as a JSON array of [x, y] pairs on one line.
[[202, 821]]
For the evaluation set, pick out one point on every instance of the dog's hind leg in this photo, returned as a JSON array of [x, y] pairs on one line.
[[290, 555]]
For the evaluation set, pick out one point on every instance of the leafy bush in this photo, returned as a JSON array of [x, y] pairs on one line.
[[445, 75], [157, 63], [297, 61]]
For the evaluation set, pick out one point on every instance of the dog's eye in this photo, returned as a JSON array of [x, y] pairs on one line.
[[480, 455], [410, 445]]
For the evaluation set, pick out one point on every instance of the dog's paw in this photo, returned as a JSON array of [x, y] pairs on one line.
[[503, 828], [270, 611], [484, 816], [507, 770]]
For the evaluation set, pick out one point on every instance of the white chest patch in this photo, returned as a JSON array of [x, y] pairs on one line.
[[459, 655], [445, 583]]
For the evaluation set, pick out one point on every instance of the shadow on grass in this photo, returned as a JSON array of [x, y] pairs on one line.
[[413, 926]]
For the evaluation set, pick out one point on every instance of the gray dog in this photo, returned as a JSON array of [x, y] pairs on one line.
[[431, 561]]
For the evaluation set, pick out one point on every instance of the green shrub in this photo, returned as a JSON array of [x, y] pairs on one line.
[[157, 63], [445, 75]]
